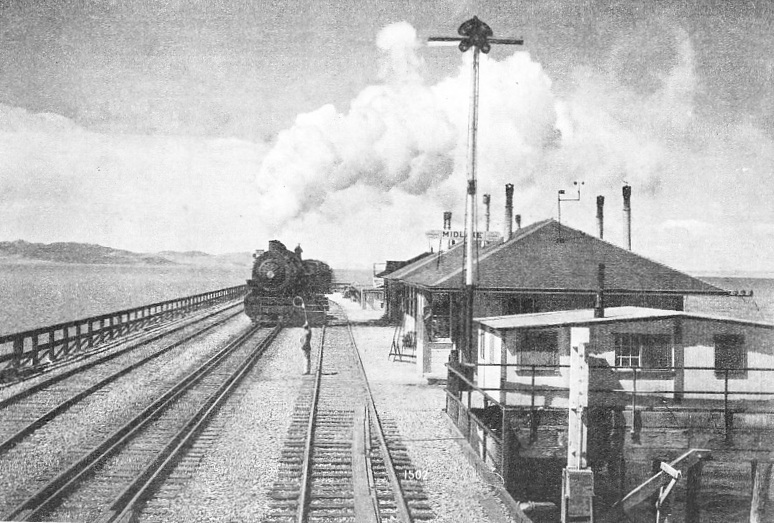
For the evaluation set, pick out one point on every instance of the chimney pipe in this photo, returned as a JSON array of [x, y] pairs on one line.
[[601, 216], [627, 211], [487, 199], [508, 212], [447, 227], [599, 305], [518, 222]]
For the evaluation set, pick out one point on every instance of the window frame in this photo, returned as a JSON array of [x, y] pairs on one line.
[[740, 345], [443, 318], [642, 342], [527, 347]]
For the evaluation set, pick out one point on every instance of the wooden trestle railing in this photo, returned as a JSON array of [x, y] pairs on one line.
[[30, 349]]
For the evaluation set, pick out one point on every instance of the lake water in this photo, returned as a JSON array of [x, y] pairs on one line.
[[40, 294], [763, 291]]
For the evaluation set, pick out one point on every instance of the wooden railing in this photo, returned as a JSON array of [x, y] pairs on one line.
[[32, 348], [489, 436], [727, 391]]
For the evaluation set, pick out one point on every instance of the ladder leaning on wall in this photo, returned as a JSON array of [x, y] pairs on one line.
[[404, 347]]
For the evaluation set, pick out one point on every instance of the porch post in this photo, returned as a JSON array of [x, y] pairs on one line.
[[577, 479], [679, 360]]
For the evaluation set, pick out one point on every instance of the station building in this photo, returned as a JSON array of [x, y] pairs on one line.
[[546, 266], [668, 357]]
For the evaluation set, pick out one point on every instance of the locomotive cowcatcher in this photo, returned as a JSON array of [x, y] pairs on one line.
[[281, 277]]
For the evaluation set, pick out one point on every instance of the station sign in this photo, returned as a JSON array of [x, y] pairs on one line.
[[448, 234]]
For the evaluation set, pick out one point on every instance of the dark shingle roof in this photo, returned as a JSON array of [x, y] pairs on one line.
[[549, 256], [394, 265]]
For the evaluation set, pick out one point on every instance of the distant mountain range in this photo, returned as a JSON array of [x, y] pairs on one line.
[[87, 253]]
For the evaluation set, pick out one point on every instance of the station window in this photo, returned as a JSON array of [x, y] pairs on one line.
[[440, 316], [645, 351], [730, 354], [519, 305], [539, 347]]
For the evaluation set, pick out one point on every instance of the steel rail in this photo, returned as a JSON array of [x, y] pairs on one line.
[[50, 493], [63, 406], [306, 469], [59, 377], [397, 490], [129, 501]]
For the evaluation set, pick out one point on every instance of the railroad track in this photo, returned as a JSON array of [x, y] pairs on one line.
[[338, 464], [156, 328], [115, 478], [24, 413]]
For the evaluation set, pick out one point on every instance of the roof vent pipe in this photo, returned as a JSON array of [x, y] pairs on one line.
[[518, 222], [487, 199], [599, 305], [601, 216], [508, 212], [627, 211], [447, 227]]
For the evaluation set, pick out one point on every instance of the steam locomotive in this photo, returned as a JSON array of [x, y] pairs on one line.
[[280, 277]]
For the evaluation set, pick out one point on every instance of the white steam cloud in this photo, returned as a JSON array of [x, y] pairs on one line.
[[396, 158], [406, 136]]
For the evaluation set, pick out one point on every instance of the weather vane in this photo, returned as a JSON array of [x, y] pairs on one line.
[[560, 197], [477, 35]]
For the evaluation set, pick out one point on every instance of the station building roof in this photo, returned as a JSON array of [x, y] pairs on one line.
[[394, 265], [585, 318], [547, 256]]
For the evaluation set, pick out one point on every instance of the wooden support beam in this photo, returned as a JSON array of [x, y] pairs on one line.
[[692, 489], [652, 485], [761, 473]]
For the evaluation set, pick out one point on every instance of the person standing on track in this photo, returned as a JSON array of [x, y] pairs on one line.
[[306, 347]]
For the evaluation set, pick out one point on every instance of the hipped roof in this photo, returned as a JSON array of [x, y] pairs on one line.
[[549, 256]]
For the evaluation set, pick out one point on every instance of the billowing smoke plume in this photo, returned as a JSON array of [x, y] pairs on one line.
[[378, 174], [406, 136]]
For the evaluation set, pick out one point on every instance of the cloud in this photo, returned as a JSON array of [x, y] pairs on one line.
[[406, 136], [362, 183], [404, 142], [61, 182]]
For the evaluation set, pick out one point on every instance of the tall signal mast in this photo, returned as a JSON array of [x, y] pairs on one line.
[[477, 35]]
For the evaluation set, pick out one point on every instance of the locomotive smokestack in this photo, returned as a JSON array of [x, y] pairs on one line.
[[518, 222], [508, 212], [627, 214], [487, 199], [599, 305], [601, 216]]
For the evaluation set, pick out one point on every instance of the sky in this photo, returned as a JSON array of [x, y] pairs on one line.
[[217, 126]]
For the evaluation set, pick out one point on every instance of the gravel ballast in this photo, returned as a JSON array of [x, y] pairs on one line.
[[233, 478], [69, 436], [456, 491]]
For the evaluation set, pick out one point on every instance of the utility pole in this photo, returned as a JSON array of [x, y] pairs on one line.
[[477, 35]]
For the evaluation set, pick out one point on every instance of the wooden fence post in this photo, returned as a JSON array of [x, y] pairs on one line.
[[692, 489]]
